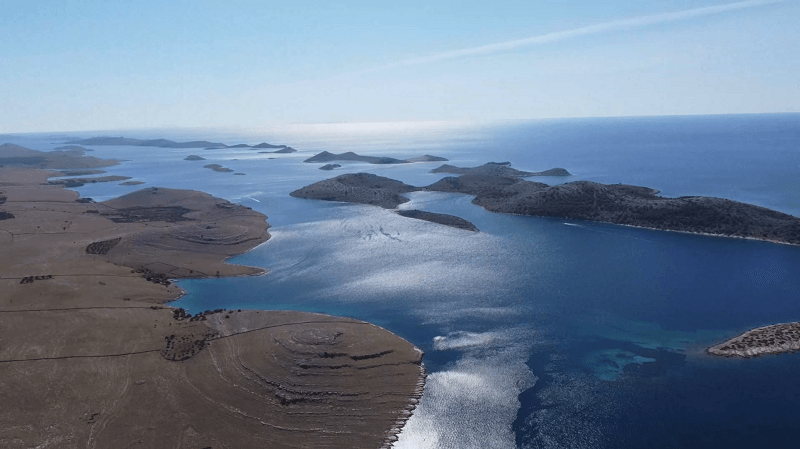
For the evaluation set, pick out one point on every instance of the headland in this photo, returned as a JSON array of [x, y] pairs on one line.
[[774, 339]]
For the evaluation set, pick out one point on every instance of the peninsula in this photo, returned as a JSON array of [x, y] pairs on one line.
[[353, 157], [91, 356], [774, 339], [585, 200]]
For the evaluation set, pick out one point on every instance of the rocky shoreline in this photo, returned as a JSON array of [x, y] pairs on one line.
[[773, 339]]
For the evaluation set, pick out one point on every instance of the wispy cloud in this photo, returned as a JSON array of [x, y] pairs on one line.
[[617, 25]]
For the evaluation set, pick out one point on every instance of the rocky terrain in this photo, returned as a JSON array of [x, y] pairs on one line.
[[774, 339], [91, 356]]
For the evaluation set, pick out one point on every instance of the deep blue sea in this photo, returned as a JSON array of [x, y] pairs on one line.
[[538, 332]]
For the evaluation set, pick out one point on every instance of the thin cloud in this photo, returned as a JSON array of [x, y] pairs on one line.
[[617, 25]]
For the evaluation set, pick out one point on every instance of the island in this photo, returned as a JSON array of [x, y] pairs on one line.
[[443, 219], [353, 157], [374, 190], [330, 166], [774, 339], [218, 168], [194, 157], [159, 143], [166, 143], [584, 200], [17, 156], [93, 357], [498, 169]]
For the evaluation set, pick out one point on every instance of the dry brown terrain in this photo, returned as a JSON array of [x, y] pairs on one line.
[[90, 356]]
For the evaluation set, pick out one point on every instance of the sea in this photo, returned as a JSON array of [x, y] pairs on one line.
[[537, 332]]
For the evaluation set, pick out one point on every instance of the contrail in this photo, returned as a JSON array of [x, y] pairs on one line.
[[617, 25]]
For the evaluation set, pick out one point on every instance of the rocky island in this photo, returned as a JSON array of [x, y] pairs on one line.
[[353, 157], [91, 356], [585, 200], [774, 339]]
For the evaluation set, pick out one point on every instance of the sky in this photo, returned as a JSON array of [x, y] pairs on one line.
[[74, 65]]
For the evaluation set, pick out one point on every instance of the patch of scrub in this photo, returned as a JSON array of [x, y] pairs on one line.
[[608, 364]]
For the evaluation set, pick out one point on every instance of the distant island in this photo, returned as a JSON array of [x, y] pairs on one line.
[[774, 339], [585, 200], [160, 143], [165, 143], [330, 167], [73, 158], [78, 182], [353, 157], [194, 157]]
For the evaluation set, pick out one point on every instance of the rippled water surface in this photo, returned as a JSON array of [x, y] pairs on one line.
[[538, 332]]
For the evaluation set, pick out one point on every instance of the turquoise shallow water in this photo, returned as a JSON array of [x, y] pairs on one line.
[[538, 332]]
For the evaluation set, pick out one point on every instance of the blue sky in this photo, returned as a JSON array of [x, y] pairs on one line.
[[92, 65]]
